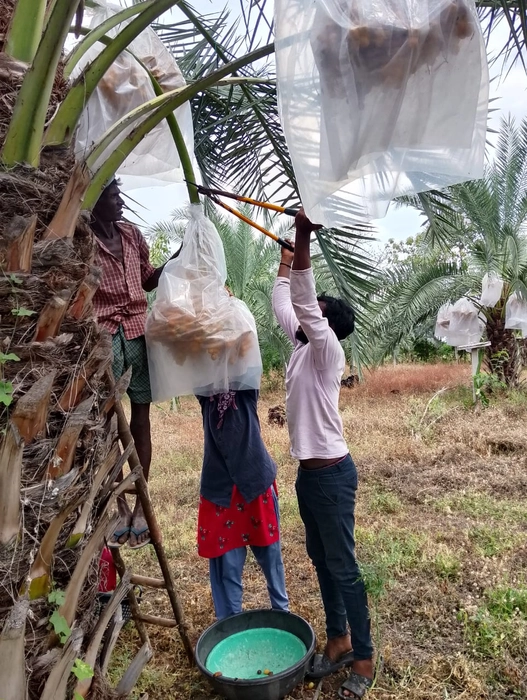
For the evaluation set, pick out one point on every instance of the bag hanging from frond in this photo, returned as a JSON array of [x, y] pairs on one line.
[[491, 289], [379, 99], [466, 326], [516, 314], [444, 316], [200, 339], [125, 86]]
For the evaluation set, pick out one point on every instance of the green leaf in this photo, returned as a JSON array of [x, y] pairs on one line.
[[10, 357], [60, 626], [81, 670], [56, 597], [6, 393], [15, 279], [22, 312]]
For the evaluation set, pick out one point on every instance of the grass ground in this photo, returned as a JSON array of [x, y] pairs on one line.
[[441, 536]]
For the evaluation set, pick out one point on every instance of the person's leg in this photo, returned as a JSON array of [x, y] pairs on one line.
[[122, 531], [332, 499], [140, 401], [140, 429], [338, 639], [270, 560], [226, 582]]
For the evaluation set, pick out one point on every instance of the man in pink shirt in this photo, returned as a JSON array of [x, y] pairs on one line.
[[327, 478]]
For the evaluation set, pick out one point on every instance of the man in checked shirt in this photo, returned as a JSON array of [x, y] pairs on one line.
[[120, 306]]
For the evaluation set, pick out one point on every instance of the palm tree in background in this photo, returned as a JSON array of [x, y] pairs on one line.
[[487, 220]]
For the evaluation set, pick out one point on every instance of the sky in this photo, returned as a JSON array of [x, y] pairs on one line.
[[507, 90]]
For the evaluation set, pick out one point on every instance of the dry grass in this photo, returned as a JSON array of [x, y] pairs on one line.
[[441, 524]]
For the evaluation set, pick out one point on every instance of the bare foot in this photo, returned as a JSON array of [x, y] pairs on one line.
[[139, 532], [337, 646], [122, 531]]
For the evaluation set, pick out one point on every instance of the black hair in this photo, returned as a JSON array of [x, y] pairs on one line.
[[115, 182], [339, 314]]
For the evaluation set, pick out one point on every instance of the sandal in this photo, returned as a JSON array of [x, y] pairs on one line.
[[321, 666], [356, 685], [114, 541], [138, 532]]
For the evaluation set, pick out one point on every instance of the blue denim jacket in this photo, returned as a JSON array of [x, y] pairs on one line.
[[234, 450]]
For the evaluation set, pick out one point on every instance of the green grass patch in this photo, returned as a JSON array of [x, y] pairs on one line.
[[478, 505], [498, 625], [392, 550], [385, 502], [289, 514], [447, 564], [490, 541]]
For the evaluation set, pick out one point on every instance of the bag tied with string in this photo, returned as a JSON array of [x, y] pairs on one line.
[[200, 339]]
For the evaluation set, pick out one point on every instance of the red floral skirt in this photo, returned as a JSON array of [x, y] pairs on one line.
[[222, 529]]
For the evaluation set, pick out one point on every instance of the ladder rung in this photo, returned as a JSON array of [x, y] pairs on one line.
[[161, 621], [147, 581]]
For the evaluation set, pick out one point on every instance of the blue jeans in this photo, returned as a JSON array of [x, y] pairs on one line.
[[226, 577], [326, 499]]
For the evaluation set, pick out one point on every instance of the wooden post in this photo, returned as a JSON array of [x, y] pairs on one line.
[[155, 533]]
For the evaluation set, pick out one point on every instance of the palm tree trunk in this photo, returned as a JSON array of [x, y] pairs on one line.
[[503, 356], [49, 343]]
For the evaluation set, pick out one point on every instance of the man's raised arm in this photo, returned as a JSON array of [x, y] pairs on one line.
[[303, 291], [282, 307]]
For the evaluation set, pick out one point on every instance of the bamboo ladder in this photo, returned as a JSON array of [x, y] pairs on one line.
[[140, 488]]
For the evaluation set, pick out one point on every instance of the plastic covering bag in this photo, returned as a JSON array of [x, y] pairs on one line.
[[200, 339], [444, 316], [516, 314], [466, 326], [125, 86], [491, 289], [379, 99]]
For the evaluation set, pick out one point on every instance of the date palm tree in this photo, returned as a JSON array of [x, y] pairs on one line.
[[59, 451], [487, 220]]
